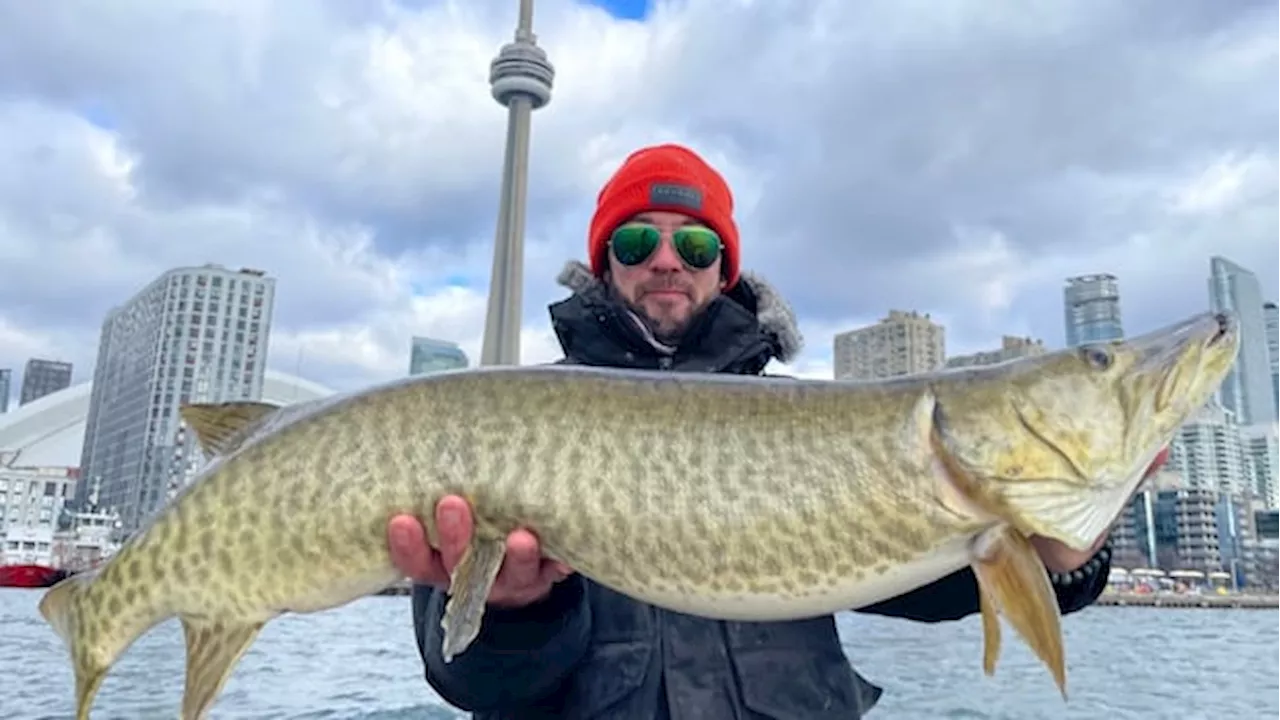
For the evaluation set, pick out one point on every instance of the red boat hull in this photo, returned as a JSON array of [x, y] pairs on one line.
[[30, 576]]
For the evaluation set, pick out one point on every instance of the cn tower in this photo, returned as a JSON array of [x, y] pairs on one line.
[[520, 78]]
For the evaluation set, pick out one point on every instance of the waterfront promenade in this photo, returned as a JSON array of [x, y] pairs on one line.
[[1243, 601]]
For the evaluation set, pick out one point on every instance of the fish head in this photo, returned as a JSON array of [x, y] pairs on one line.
[[1057, 444]]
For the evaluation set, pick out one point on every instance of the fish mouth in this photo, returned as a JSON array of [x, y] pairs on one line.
[[1208, 330], [1164, 377], [1228, 328], [1187, 362], [1184, 364]]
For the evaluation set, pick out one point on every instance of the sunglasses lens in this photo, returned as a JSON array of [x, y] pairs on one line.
[[699, 246], [633, 244]]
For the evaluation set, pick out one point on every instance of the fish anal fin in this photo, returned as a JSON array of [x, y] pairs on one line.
[[220, 428], [1013, 582], [469, 587], [213, 649]]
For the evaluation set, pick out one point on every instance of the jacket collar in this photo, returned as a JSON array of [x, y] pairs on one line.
[[740, 331]]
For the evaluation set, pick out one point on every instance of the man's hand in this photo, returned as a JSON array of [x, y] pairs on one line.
[[1059, 558], [525, 577]]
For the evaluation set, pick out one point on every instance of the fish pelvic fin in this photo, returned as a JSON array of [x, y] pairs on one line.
[[1013, 581], [221, 428], [469, 587], [213, 649], [64, 609]]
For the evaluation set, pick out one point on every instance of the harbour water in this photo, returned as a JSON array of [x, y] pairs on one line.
[[360, 662]]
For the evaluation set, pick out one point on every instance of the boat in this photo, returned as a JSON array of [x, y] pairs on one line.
[[30, 576], [39, 555]]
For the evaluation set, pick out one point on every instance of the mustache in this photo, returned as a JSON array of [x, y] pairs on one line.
[[665, 284]]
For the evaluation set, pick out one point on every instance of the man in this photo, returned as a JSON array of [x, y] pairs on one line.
[[662, 291]]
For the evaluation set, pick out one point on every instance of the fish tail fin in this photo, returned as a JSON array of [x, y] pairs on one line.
[[63, 607]]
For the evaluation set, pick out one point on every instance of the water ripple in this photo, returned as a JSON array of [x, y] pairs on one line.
[[360, 662]]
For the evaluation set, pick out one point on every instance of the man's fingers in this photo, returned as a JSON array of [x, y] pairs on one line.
[[523, 561], [409, 551], [453, 525], [554, 572], [523, 569]]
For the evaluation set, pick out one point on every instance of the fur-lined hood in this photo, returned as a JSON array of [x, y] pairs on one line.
[[751, 292]]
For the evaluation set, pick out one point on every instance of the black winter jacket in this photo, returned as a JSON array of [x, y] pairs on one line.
[[587, 652]]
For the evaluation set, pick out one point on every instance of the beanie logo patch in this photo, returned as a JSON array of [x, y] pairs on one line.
[[676, 195]]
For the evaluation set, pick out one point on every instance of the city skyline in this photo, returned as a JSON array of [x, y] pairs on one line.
[[428, 355], [1246, 391], [857, 192], [1107, 324], [272, 203], [191, 335], [1092, 311], [46, 375], [171, 340]]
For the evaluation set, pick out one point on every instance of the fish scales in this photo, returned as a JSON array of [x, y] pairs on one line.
[[645, 496], [634, 502], [735, 498]]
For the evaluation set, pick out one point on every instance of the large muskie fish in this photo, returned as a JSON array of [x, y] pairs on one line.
[[729, 497]]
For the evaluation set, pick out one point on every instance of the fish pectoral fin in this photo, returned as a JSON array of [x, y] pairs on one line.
[[1012, 581], [469, 587], [213, 648], [990, 633], [220, 428]]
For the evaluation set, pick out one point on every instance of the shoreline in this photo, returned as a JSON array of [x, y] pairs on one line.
[[1179, 601]]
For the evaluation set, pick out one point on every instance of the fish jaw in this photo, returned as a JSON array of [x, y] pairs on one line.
[[1061, 511], [1057, 444]]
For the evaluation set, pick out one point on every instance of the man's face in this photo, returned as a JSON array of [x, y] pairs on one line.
[[663, 289]]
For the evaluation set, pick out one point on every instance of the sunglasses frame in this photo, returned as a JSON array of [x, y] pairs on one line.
[[681, 248]]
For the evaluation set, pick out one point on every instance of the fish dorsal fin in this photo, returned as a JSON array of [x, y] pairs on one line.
[[220, 428]]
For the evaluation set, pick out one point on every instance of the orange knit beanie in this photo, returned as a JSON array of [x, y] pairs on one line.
[[671, 178]]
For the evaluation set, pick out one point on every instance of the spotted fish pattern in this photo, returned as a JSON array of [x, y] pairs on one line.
[[733, 497]]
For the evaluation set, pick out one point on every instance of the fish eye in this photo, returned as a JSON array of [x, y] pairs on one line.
[[1098, 357]]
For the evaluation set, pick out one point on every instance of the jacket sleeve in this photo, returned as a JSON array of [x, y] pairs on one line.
[[521, 656], [956, 596]]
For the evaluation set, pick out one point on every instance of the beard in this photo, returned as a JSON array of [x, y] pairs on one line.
[[665, 330]]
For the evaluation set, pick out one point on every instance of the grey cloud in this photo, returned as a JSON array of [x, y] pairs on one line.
[[886, 135], [221, 107], [227, 105], [1062, 126], [69, 251]]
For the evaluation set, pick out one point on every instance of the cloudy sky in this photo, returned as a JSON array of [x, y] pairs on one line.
[[959, 157]]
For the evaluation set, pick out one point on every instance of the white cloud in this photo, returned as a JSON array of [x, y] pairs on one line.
[[20, 342], [884, 155], [1225, 184]]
